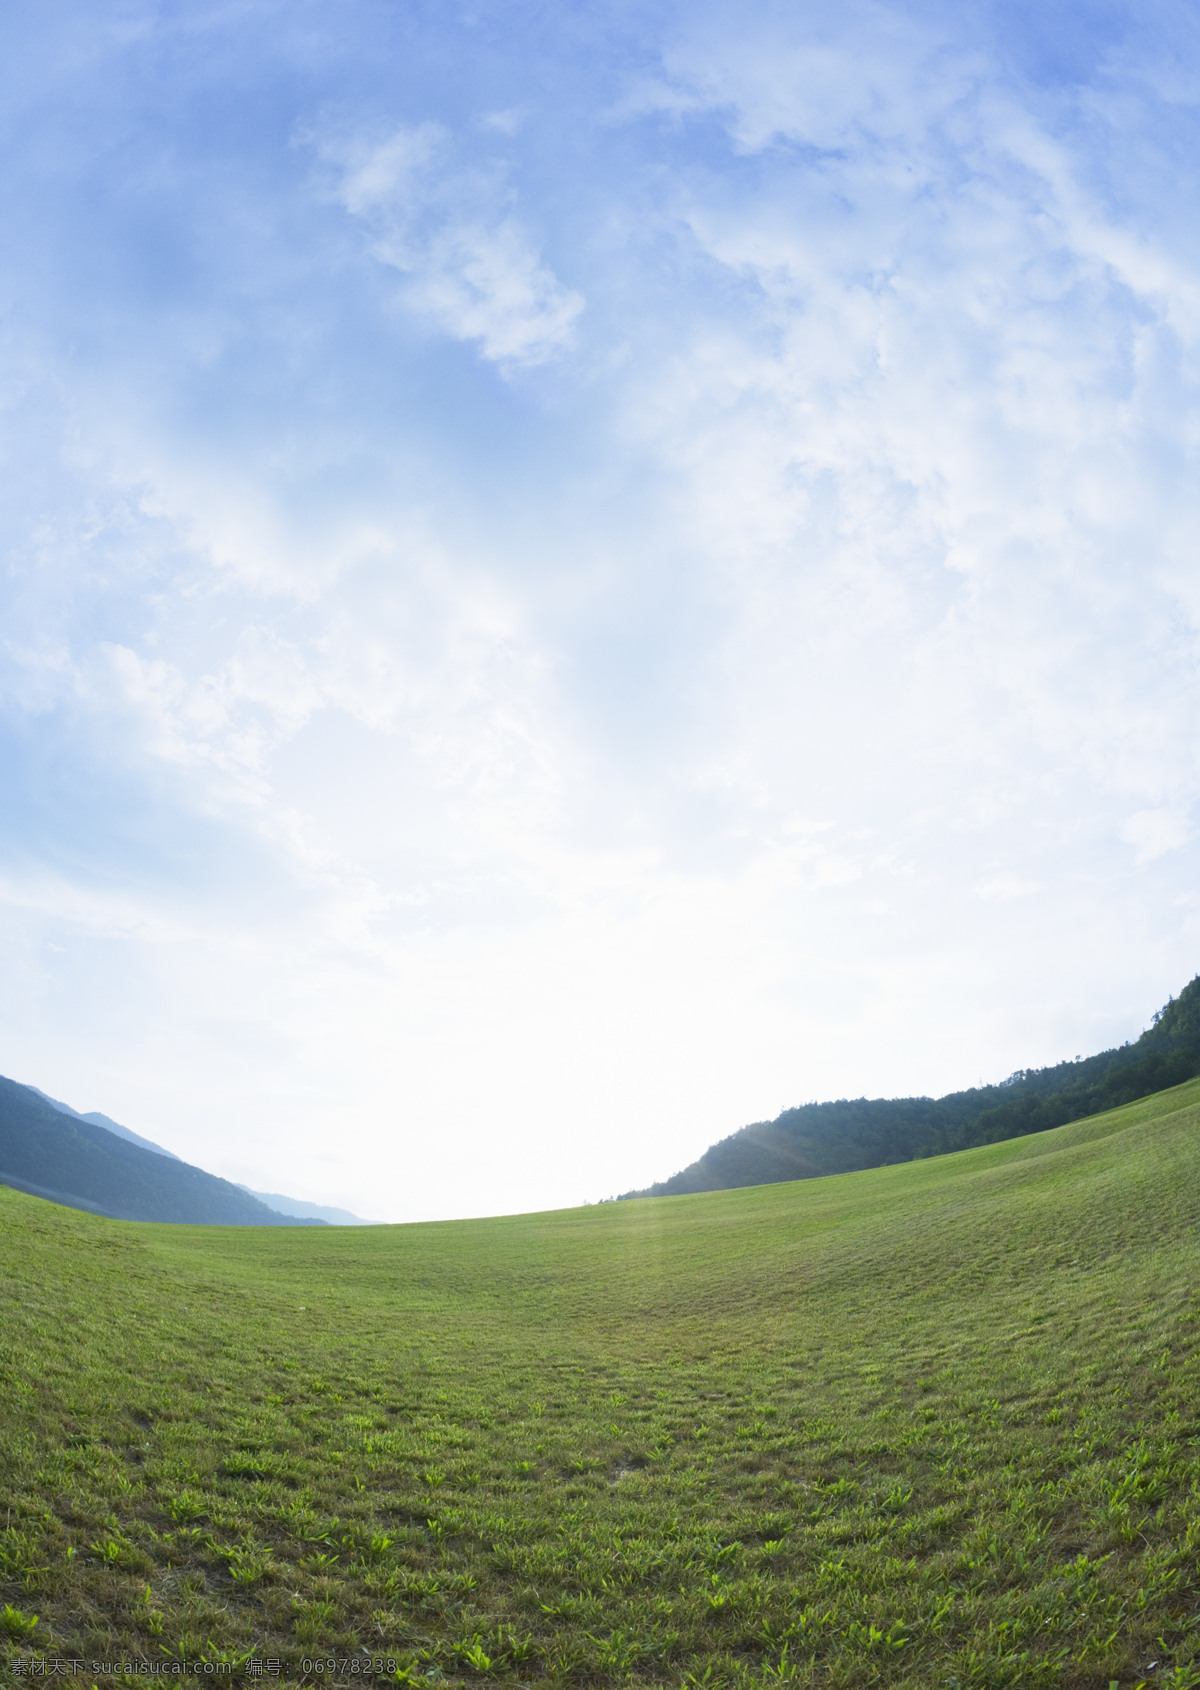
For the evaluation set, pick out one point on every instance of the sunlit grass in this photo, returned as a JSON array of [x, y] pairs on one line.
[[924, 1425]]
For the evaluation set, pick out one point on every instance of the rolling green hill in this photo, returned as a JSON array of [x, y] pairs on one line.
[[934, 1424], [69, 1159], [871, 1132]]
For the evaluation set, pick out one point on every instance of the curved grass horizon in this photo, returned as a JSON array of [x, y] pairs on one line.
[[927, 1424]]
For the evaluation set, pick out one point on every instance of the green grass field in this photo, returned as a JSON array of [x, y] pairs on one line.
[[928, 1425]]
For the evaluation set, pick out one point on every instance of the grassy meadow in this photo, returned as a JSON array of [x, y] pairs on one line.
[[935, 1424]]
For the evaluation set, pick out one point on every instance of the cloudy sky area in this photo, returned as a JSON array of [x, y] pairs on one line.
[[575, 576]]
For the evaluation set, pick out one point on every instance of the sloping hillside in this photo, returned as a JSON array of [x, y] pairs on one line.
[[99, 1120], [834, 1138], [921, 1426], [64, 1157]]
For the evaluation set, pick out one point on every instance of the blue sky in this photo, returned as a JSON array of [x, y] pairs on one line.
[[575, 576]]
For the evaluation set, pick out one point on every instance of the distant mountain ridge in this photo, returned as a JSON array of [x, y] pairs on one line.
[[301, 1210], [56, 1153], [294, 1208], [832, 1138], [99, 1120]]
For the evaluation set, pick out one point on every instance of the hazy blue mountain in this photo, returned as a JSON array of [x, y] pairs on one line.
[[99, 1120], [59, 1154], [291, 1206], [870, 1132], [307, 1211]]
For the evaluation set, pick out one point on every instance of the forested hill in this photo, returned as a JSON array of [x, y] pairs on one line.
[[869, 1132], [71, 1160]]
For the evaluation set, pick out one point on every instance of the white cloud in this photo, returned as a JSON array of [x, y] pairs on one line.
[[857, 73], [924, 458], [1152, 833], [230, 720], [451, 231], [1005, 887]]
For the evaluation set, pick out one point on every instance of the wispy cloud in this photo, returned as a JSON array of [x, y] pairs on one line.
[[452, 231], [1152, 833]]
